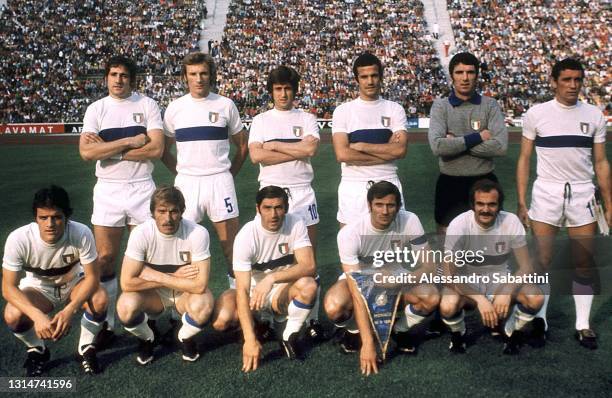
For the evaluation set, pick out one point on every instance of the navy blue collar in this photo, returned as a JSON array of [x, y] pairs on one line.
[[456, 101]]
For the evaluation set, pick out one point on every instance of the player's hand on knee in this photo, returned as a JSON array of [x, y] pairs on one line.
[[368, 359], [251, 352], [487, 313], [61, 321], [186, 271], [501, 302], [43, 327], [260, 292]]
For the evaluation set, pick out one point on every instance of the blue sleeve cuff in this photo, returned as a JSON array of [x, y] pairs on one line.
[[471, 140]]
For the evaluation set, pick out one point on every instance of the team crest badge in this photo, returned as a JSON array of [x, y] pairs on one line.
[[185, 257], [386, 121], [475, 125], [283, 248], [500, 247], [298, 131], [213, 117], [68, 258], [396, 244], [138, 117], [584, 127]]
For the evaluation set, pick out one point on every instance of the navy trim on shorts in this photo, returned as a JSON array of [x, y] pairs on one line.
[[118, 133], [564, 141], [370, 136], [201, 133]]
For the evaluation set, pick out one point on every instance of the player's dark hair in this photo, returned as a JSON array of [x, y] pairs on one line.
[[486, 185], [565, 64], [283, 75], [464, 58], [120, 60], [272, 192], [199, 58], [167, 194], [50, 197], [383, 188], [367, 59]]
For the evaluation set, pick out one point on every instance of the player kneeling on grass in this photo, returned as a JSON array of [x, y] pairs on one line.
[[274, 266], [385, 228], [59, 258], [491, 234], [166, 266]]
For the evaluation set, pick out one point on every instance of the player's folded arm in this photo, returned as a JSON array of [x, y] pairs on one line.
[[266, 157], [345, 154], [305, 148], [130, 276], [498, 144], [153, 149], [92, 147], [438, 129]]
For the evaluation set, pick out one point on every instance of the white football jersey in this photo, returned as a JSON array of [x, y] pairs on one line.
[[261, 251], [373, 122], [201, 127], [284, 126], [48, 264], [495, 242], [166, 253], [358, 241], [113, 119], [564, 138]]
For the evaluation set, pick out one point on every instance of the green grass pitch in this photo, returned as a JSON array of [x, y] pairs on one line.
[[562, 368]]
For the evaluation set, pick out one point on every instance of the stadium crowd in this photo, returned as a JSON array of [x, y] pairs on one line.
[[52, 52], [518, 41], [320, 39]]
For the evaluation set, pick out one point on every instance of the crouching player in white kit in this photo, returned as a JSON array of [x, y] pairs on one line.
[[274, 266], [490, 235], [386, 227], [166, 265], [59, 258], [282, 140]]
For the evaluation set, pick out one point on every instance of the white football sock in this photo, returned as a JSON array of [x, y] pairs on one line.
[[297, 312]]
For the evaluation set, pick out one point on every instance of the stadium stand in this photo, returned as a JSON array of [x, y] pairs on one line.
[[52, 53], [519, 41], [321, 39]]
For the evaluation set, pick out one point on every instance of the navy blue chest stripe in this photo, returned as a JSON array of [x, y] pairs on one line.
[[51, 271], [165, 268], [279, 262], [201, 133], [565, 141], [490, 260], [285, 140], [371, 136], [117, 133], [419, 241]]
